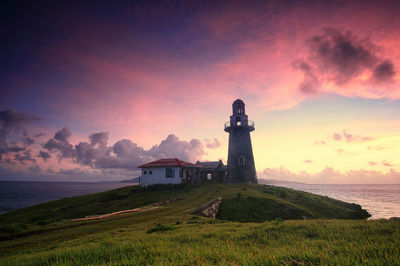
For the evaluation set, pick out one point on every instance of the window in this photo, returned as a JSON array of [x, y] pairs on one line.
[[241, 160], [169, 173], [181, 173], [150, 172], [238, 121], [144, 172], [208, 176]]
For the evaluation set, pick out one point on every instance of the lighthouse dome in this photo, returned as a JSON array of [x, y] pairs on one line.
[[238, 107]]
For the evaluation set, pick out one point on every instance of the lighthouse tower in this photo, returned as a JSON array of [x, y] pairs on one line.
[[241, 168]]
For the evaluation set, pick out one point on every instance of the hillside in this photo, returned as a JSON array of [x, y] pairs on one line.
[[45, 234], [241, 202]]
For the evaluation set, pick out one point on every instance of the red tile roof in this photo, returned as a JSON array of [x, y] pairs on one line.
[[170, 162]]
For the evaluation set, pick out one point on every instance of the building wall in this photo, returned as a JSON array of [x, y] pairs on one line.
[[240, 145], [158, 176]]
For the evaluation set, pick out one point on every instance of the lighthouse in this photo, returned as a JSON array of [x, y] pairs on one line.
[[241, 167]]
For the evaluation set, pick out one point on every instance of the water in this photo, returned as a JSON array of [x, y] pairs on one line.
[[381, 201], [20, 194]]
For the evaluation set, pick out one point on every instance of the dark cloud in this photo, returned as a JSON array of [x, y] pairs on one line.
[[35, 169], [28, 141], [44, 155], [99, 138], [63, 135], [124, 154], [24, 157], [39, 135], [340, 56], [212, 144], [14, 137], [14, 120], [61, 144], [310, 82], [384, 71]]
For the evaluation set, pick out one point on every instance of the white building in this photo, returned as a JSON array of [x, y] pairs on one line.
[[168, 171]]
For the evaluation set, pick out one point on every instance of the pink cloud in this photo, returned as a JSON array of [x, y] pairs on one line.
[[386, 163], [355, 138], [329, 175], [337, 137], [350, 137]]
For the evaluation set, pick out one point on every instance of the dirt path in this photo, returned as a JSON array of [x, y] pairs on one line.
[[146, 208], [115, 214]]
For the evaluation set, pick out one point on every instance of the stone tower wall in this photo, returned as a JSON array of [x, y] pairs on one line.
[[240, 145]]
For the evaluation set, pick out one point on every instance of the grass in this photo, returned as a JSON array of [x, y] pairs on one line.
[[171, 235]]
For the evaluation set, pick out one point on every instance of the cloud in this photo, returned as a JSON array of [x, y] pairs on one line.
[[24, 157], [63, 135], [310, 82], [124, 154], [343, 55], [340, 151], [355, 138], [388, 164], [337, 137], [44, 155], [308, 161], [340, 57], [350, 137], [99, 138], [39, 135], [384, 71], [14, 137], [329, 175], [384, 163], [319, 142], [14, 120], [61, 144], [172, 147], [212, 144]]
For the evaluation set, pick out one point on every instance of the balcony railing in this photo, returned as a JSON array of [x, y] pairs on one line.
[[248, 123]]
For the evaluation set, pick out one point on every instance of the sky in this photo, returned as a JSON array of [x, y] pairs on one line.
[[91, 90]]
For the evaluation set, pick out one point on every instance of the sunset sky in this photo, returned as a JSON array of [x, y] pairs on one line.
[[90, 91]]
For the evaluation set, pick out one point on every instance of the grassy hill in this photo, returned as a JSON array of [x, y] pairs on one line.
[[289, 229]]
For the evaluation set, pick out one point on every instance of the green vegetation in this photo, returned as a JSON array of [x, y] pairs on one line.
[[169, 234]]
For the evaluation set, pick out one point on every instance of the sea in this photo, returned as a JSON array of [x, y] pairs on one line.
[[381, 201], [20, 194]]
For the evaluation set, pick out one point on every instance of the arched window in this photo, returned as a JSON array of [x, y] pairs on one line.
[[242, 160]]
